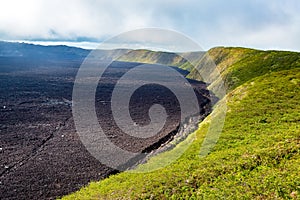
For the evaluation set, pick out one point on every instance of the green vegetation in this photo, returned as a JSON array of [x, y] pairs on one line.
[[165, 58], [238, 65], [258, 153]]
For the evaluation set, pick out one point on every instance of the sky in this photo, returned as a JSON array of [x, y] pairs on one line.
[[260, 24]]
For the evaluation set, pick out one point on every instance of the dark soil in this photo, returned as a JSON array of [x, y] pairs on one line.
[[41, 155]]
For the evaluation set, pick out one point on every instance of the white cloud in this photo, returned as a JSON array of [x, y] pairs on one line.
[[259, 24]]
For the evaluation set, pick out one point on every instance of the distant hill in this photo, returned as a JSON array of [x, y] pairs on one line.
[[165, 58], [9, 49], [22, 56], [62, 52]]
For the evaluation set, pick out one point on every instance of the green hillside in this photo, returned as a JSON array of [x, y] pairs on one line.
[[165, 58], [258, 153], [238, 65]]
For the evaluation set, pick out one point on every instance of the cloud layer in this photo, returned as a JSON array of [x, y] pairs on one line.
[[269, 24]]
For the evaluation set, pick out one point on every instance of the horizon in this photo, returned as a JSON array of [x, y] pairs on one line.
[[94, 45]]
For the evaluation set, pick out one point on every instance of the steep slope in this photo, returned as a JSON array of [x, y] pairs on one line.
[[165, 58], [238, 65], [258, 153]]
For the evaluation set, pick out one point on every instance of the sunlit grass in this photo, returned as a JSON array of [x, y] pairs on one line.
[[257, 155]]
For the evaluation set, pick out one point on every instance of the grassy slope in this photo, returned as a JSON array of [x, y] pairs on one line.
[[238, 65], [166, 58], [257, 155]]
